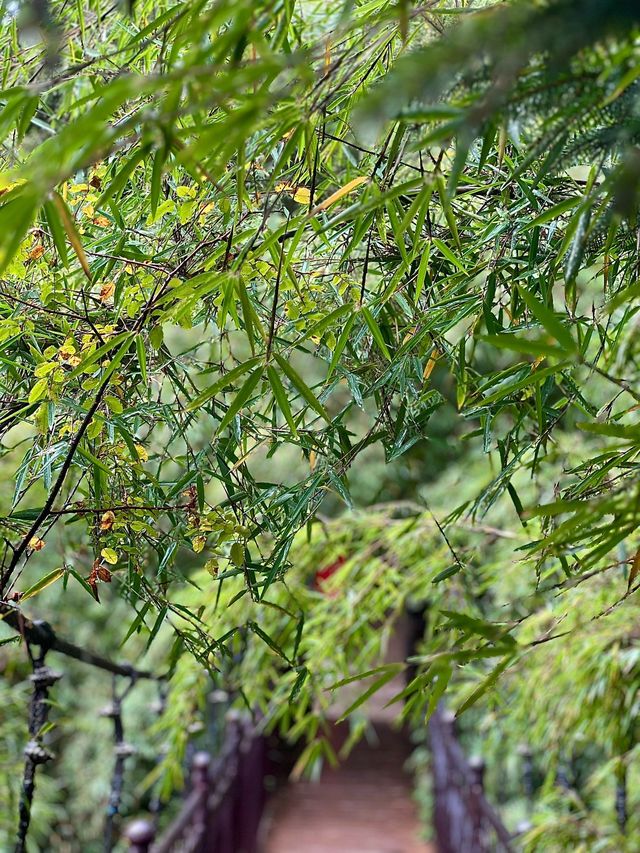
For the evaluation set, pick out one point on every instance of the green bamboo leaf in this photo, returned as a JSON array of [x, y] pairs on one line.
[[121, 340], [485, 685], [423, 269], [298, 685], [385, 667], [554, 212], [43, 583], [122, 176], [281, 398], [156, 178], [393, 670], [533, 378], [257, 630], [304, 391], [446, 251], [18, 207], [535, 348], [374, 328], [222, 383], [340, 344], [548, 319], [88, 455], [318, 328], [447, 209], [241, 398], [628, 433], [57, 231], [142, 357]]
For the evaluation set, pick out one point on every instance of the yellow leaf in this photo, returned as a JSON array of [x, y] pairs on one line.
[[106, 522], [198, 543], [109, 555], [302, 195], [143, 456], [428, 370], [212, 566], [338, 194], [66, 351]]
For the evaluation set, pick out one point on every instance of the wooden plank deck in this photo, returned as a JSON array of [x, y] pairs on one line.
[[363, 806]]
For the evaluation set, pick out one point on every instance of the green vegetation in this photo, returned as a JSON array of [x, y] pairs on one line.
[[289, 283]]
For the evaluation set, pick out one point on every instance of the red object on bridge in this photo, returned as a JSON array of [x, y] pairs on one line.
[[326, 572]]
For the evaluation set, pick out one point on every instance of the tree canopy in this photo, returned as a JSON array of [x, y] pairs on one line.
[[246, 248]]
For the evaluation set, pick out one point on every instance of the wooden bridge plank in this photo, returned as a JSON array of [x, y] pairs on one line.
[[363, 806]]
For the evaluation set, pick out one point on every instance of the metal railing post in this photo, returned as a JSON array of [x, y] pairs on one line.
[[140, 834], [200, 782], [477, 769], [526, 754]]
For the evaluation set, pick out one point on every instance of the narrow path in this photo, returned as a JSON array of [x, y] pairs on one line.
[[363, 806]]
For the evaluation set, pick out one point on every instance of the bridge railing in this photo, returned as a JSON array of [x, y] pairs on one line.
[[223, 809], [464, 819]]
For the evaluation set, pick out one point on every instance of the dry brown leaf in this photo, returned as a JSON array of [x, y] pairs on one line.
[[36, 252], [635, 568], [103, 574], [106, 291]]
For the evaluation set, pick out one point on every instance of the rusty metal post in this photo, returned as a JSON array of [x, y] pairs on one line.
[[140, 834]]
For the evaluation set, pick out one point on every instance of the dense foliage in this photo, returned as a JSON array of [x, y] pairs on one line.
[[252, 250]]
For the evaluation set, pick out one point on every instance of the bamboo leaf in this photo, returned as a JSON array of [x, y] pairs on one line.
[[548, 319], [281, 398], [305, 392], [241, 398], [72, 233], [391, 673], [374, 328], [43, 583], [484, 685], [553, 212], [223, 382], [338, 194]]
